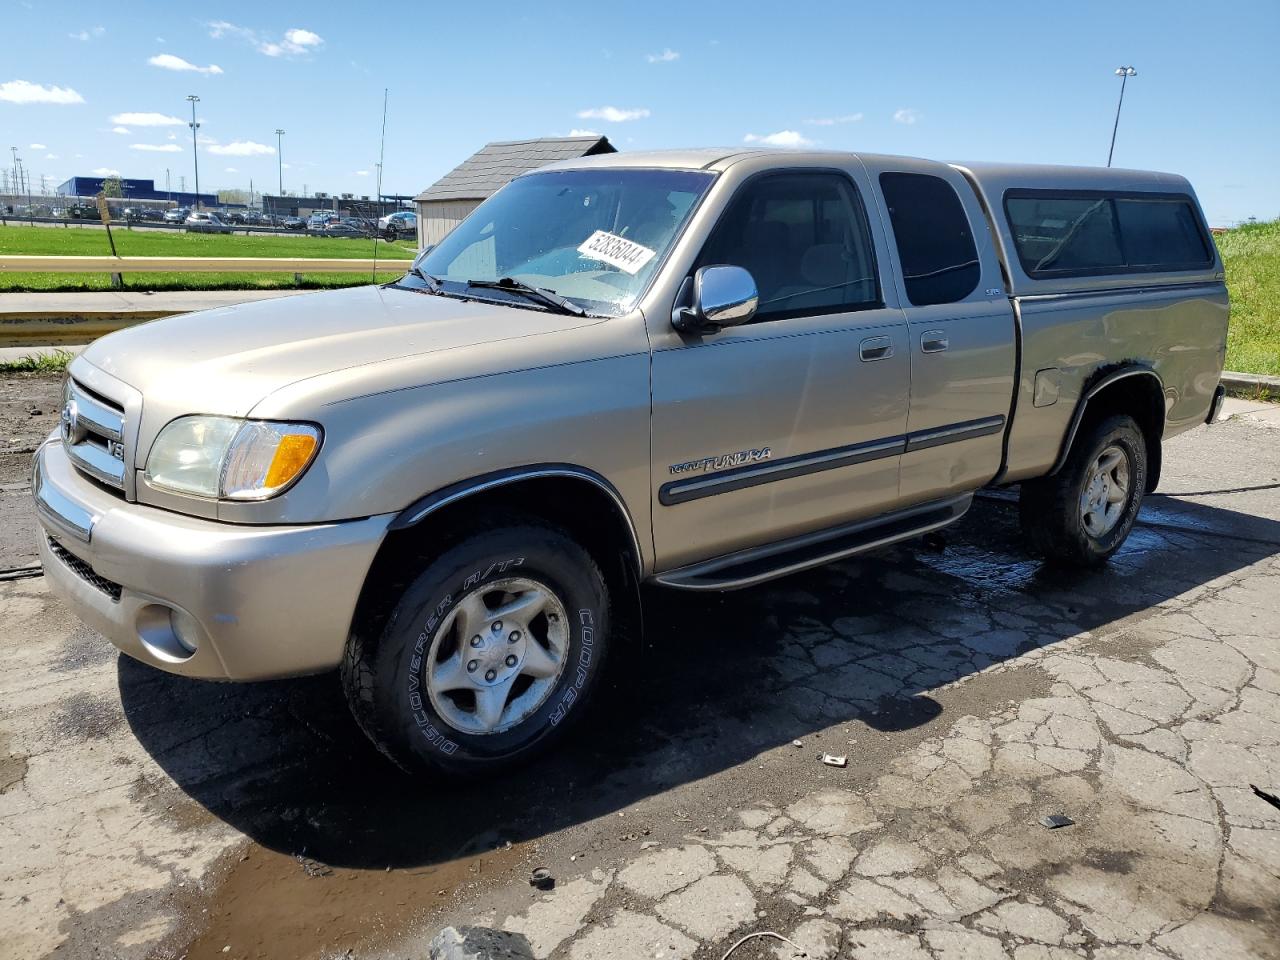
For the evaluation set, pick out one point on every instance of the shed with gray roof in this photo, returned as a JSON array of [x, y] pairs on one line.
[[444, 204]]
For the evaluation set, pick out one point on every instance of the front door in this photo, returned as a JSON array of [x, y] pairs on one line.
[[794, 421]]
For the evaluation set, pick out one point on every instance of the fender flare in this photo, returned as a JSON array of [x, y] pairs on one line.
[[425, 506], [1096, 387]]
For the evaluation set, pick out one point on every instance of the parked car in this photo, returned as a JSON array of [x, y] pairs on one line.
[[697, 369], [293, 223], [348, 227], [177, 215], [202, 222], [83, 211], [400, 224], [235, 216], [321, 219]]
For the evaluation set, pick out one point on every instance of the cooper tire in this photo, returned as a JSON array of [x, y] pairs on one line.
[[391, 680], [1077, 517]]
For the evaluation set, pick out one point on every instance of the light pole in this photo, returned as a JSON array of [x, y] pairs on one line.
[[195, 156], [1124, 73], [280, 158]]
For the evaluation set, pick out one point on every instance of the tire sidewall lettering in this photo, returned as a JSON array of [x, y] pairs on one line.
[[433, 736]]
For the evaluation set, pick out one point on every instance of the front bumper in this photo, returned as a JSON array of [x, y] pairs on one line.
[[197, 597]]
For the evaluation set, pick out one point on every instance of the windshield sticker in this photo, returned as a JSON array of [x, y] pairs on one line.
[[616, 251]]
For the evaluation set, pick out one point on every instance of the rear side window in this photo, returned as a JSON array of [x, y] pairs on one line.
[[935, 243], [805, 240], [1065, 234]]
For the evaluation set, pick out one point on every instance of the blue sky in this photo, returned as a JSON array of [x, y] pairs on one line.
[[99, 87]]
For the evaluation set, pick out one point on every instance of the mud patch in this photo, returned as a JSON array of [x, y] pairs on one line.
[[86, 717], [13, 768], [276, 906]]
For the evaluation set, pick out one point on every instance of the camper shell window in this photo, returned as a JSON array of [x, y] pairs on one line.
[[1081, 233]]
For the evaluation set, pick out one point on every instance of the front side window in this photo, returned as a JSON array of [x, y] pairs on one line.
[[594, 236], [935, 243], [804, 238], [1087, 234]]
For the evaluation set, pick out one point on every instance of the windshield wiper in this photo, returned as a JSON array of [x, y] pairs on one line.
[[548, 297], [433, 282]]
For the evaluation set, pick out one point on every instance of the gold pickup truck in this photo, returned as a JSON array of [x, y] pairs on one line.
[[702, 369]]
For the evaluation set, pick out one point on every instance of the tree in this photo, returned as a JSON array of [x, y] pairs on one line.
[[233, 196], [112, 187]]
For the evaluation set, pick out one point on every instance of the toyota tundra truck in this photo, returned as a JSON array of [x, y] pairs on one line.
[[698, 369]]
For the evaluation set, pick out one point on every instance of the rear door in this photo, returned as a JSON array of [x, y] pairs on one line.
[[960, 327]]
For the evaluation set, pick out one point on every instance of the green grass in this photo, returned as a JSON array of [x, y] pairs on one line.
[[80, 282], [54, 362], [1251, 254], [51, 241]]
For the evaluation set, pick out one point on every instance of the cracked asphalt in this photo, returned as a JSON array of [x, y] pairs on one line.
[[973, 690]]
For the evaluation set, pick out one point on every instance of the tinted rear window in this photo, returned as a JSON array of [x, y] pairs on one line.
[[935, 244], [1086, 234]]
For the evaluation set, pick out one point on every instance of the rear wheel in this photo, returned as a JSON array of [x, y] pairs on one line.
[[489, 654], [1083, 514]]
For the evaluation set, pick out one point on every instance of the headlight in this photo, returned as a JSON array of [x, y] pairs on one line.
[[229, 458]]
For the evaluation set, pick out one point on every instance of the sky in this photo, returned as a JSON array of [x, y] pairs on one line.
[[91, 87]]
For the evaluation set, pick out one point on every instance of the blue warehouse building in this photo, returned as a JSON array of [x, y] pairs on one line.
[[131, 189]]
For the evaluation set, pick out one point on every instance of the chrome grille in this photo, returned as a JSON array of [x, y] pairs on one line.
[[85, 572], [93, 435]]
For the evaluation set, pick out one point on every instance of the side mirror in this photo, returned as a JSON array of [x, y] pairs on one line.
[[719, 296]]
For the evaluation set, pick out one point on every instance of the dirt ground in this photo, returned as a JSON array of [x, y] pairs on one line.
[[973, 691], [29, 405]]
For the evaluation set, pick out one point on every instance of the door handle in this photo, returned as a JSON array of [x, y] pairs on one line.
[[934, 341], [875, 348]]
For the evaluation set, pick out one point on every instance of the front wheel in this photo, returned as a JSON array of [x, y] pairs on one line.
[[1082, 515], [488, 656]]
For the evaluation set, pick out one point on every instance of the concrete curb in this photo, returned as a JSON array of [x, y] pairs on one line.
[[1249, 381]]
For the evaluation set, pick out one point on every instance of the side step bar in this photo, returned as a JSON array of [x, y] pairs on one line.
[[755, 565]]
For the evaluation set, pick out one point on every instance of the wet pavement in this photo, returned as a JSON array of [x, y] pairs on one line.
[[973, 690]]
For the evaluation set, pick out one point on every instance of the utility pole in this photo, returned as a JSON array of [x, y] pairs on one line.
[[280, 159], [1124, 73], [195, 156]]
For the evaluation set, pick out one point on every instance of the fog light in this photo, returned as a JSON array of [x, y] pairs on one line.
[[185, 629], [167, 634]]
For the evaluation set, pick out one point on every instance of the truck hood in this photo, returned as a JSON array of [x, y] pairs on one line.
[[226, 360]]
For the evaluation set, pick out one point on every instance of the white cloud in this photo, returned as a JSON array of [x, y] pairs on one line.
[[104, 172], [907, 115], [362, 173], [579, 132], [36, 146], [167, 61], [90, 34], [230, 170], [147, 120], [613, 114], [666, 56], [296, 40], [23, 91], [156, 147], [303, 38], [783, 138], [121, 130], [241, 148], [833, 121], [51, 156]]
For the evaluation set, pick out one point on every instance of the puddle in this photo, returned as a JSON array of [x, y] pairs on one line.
[[273, 906]]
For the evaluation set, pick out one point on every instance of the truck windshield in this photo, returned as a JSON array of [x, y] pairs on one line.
[[593, 236]]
